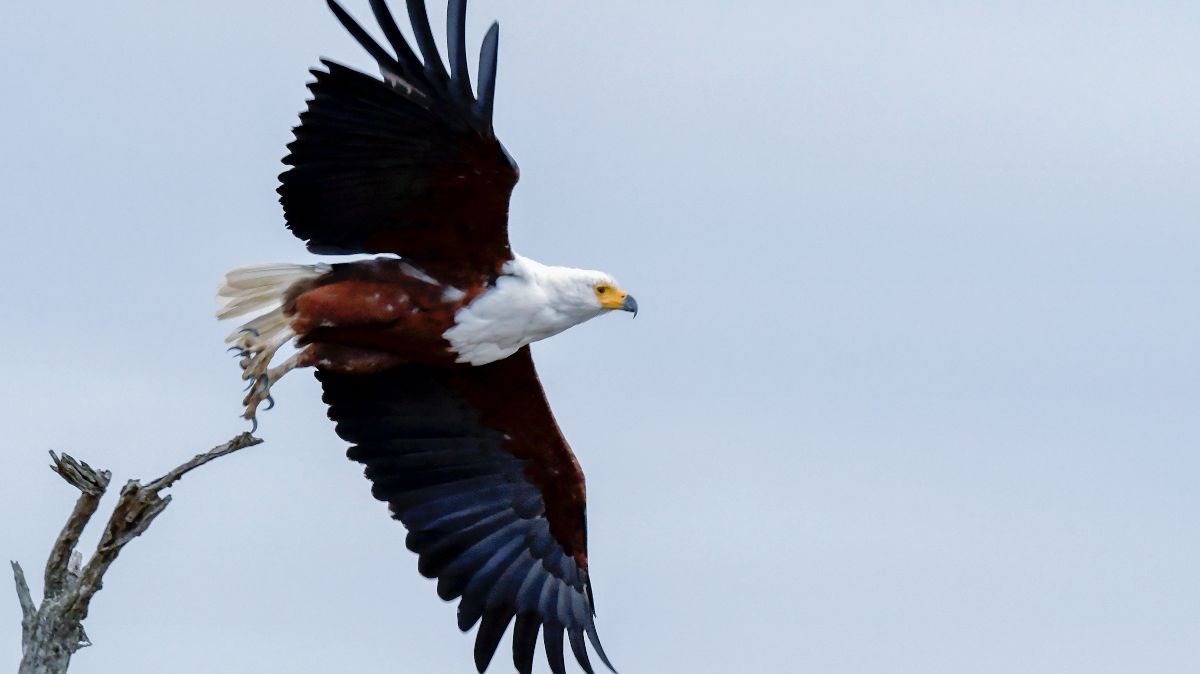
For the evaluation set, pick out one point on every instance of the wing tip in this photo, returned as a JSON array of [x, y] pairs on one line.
[[487, 639], [484, 107], [594, 638], [419, 19], [456, 48]]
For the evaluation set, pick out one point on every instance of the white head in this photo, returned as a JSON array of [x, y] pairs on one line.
[[577, 294]]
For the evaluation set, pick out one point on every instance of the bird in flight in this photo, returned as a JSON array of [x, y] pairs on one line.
[[423, 352]]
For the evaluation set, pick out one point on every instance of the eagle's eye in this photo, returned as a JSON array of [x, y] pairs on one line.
[[601, 289]]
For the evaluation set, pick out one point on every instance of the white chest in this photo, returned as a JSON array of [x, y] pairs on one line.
[[501, 321], [520, 309]]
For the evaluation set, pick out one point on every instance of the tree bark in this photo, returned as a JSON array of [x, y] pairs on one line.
[[53, 631]]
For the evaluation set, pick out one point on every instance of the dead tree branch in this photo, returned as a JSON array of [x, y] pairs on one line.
[[53, 631]]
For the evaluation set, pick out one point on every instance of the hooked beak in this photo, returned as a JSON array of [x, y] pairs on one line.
[[630, 304]]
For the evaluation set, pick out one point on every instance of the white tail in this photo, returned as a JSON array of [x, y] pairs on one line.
[[259, 287], [248, 289]]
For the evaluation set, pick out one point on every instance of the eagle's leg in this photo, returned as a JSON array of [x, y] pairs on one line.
[[257, 351], [260, 387]]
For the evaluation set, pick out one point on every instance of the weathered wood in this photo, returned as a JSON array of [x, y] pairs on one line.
[[53, 631]]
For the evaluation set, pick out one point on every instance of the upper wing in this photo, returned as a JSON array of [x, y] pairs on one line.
[[408, 165], [473, 463]]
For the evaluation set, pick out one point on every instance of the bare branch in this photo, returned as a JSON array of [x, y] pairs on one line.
[[91, 485], [240, 442], [29, 611], [52, 632]]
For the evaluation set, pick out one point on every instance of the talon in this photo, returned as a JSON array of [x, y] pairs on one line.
[[254, 353], [234, 348], [254, 425]]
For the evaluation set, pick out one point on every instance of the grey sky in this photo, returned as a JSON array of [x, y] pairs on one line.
[[913, 389]]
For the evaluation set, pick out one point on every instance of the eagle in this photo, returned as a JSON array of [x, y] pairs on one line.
[[423, 351]]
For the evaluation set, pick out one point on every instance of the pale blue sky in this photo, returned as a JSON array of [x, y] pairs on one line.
[[914, 387]]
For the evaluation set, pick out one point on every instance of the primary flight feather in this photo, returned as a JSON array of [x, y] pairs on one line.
[[423, 353]]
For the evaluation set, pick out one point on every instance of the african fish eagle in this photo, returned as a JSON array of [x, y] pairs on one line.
[[423, 355]]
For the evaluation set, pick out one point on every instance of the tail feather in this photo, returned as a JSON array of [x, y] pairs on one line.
[[249, 289], [258, 276], [268, 324]]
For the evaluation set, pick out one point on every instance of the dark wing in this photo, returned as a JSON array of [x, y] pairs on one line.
[[407, 165], [472, 462]]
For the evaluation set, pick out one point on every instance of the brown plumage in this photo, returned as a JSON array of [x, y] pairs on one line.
[[379, 305]]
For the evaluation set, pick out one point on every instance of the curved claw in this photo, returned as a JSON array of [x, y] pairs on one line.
[[252, 331], [254, 427], [248, 386], [270, 403], [234, 348]]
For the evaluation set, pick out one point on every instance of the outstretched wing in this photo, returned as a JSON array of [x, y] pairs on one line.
[[472, 462], [407, 165]]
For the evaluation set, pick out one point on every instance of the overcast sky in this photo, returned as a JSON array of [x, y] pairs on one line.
[[914, 387]]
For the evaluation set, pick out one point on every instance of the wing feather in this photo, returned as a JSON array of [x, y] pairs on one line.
[[472, 462], [424, 34], [413, 68], [525, 635], [386, 62], [456, 46], [408, 164], [488, 54]]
